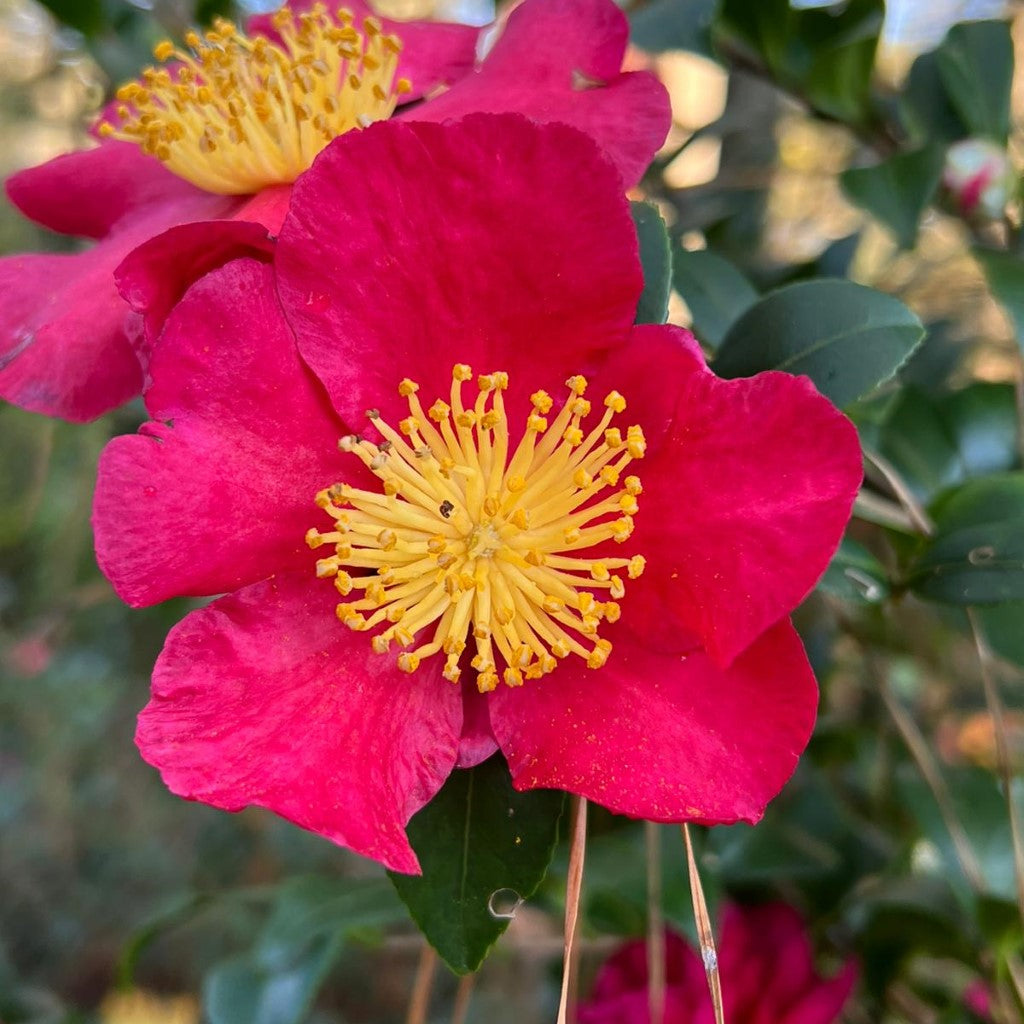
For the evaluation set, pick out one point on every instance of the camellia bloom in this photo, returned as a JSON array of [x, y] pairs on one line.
[[768, 977], [196, 161], [546, 530], [980, 177]]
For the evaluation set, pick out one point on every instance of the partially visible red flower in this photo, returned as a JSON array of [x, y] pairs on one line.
[[483, 527], [70, 345], [978, 999], [766, 963], [980, 177]]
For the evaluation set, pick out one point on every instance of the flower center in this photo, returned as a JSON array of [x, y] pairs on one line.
[[236, 115], [474, 542]]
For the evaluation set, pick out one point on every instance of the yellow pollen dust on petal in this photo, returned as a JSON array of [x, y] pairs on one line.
[[234, 114], [473, 544]]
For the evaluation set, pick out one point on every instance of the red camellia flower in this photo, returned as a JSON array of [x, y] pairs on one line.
[[768, 977], [489, 570], [197, 161]]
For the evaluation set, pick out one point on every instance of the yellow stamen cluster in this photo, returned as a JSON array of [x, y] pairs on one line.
[[471, 541], [234, 115]]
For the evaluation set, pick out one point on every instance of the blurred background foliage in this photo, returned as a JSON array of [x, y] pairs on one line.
[[809, 141]]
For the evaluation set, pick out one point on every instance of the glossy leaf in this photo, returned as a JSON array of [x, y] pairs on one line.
[[826, 57], [977, 553], [898, 190], [975, 64], [926, 110], [854, 574], [671, 25], [277, 981], [656, 258], [847, 338], [1004, 272], [482, 847], [935, 443], [713, 289]]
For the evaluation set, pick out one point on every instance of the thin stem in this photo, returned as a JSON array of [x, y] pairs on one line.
[[423, 984], [655, 926], [901, 491], [705, 933], [573, 887], [918, 748], [994, 703], [463, 994]]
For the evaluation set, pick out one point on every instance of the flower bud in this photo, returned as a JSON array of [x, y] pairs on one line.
[[979, 176]]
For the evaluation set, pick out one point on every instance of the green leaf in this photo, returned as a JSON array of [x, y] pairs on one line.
[[975, 65], [897, 191], [656, 259], [925, 107], [278, 979], [671, 25], [977, 553], [478, 839], [826, 57], [980, 806], [84, 15], [935, 443], [1001, 624], [1004, 272], [847, 338], [854, 574], [715, 291]]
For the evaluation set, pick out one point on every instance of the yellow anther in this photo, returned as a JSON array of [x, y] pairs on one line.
[[629, 505], [482, 543], [635, 442], [614, 401], [613, 437], [637, 564], [239, 114], [542, 401]]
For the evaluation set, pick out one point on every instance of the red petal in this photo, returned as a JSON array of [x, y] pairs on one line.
[[434, 53], [744, 503], [664, 737], [560, 60], [477, 742], [154, 277], [63, 344], [410, 247], [263, 698], [89, 192], [220, 492]]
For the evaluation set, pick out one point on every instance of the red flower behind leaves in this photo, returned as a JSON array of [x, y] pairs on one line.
[[72, 346], [408, 249], [767, 968]]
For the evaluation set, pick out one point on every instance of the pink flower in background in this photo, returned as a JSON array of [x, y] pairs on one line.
[[547, 531], [195, 192], [980, 177], [768, 975]]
